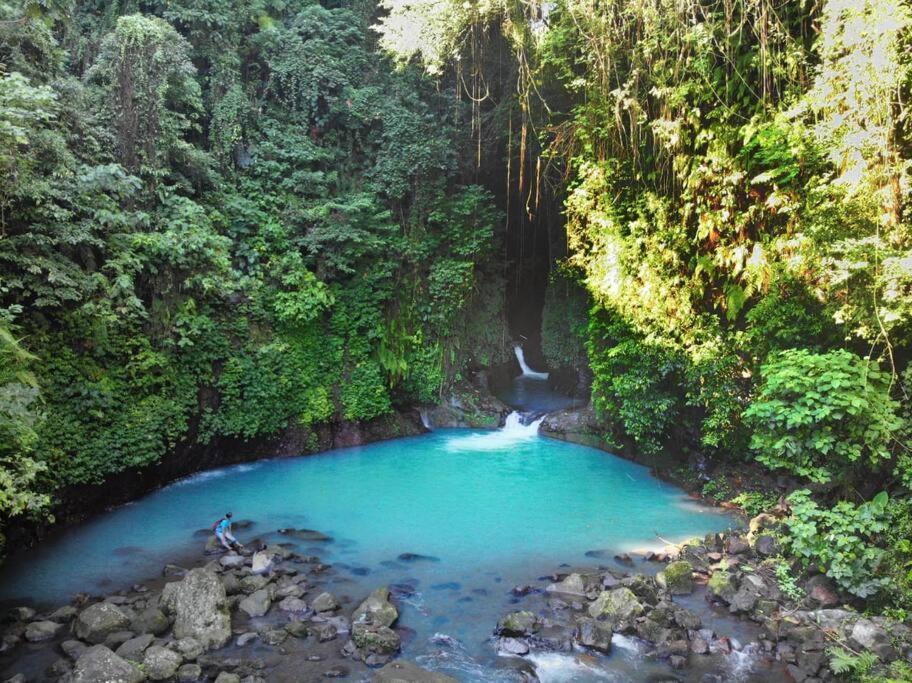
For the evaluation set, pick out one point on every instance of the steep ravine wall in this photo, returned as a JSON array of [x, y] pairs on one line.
[[77, 503]]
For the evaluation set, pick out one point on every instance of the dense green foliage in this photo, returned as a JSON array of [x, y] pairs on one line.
[[220, 219]]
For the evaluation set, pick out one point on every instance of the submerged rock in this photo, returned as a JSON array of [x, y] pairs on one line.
[[96, 622], [402, 671], [98, 664], [415, 557], [41, 630], [309, 535], [325, 602], [200, 607]]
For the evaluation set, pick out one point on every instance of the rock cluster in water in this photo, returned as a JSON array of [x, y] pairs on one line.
[[585, 609], [223, 622]]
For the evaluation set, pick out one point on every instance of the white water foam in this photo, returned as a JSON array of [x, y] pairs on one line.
[[553, 667], [425, 419], [513, 431], [526, 370]]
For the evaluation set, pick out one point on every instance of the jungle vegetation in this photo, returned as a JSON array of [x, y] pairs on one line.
[[220, 217]]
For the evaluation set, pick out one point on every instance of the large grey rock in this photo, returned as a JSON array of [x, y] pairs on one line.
[[402, 671], [616, 606], [96, 622], [869, 636], [134, 648], [99, 665], [325, 602], [594, 634], [150, 620], [200, 608], [376, 609], [73, 648], [41, 630], [160, 663], [519, 624], [257, 604], [226, 677], [189, 673]]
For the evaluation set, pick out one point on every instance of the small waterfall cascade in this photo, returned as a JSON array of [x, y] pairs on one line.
[[425, 418], [526, 370], [514, 426]]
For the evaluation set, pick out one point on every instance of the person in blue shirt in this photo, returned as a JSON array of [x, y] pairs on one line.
[[222, 530]]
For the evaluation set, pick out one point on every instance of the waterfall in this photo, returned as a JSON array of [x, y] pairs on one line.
[[425, 420], [513, 432], [514, 426], [526, 370]]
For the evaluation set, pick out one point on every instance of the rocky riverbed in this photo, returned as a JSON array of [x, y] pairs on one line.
[[673, 616], [221, 621]]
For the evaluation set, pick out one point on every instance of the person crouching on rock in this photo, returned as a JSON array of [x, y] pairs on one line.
[[263, 561], [222, 530]]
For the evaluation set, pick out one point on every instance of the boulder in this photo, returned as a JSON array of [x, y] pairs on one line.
[[22, 613], [325, 602], [189, 648], [63, 614], [297, 629], [232, 560], [73, 648], [376, 609], [513, 646], [96, 622], [519, 624], [744, 599], [402, 671], [118, 638], [257, 604], [375, 640], [766, 545], [134, 648], [616, 606], [677, 578], [150, 620], [737, 545], [868, 635], [262, 562], [225, 677], [821, 592], [41, 630], [99, 665], [200, 608], [722, 585], [596, 635], [576, 584], [189, 673], [160, 663], [293, 605]]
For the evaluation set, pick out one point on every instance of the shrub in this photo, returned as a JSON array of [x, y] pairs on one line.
[[843, 541], [819, 416]]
